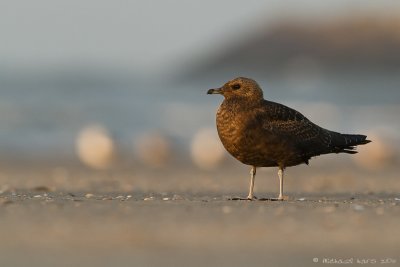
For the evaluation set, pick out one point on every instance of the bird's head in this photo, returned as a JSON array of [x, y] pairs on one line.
[[240, 87]]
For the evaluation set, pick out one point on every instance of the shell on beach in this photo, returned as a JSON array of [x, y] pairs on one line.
[[95, 147], [153, 149]]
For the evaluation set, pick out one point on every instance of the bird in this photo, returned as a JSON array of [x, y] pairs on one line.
[[262, 133]]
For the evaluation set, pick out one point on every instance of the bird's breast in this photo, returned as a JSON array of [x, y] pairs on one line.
[[229, 127], [241, 137]]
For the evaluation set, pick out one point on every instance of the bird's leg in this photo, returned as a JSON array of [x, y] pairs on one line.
[[280, 174], [252, 178]]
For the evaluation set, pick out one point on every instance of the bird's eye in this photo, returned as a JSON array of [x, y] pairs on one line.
[[236, 86]]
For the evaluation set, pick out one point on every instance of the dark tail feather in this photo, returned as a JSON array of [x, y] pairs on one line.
[[346, 143]]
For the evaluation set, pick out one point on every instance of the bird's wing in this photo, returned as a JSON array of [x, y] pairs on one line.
[[284, 121]]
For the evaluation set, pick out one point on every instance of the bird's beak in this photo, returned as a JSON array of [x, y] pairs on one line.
[[214, 91]]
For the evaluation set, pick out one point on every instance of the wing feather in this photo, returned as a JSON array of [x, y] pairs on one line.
[[284, 121]]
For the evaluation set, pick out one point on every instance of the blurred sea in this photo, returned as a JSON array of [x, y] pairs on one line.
[[41, 113]]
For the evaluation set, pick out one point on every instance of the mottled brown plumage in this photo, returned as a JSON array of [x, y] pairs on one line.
[[261, 133]]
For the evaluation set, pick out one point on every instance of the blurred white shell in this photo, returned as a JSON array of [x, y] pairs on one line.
[[95, 147]]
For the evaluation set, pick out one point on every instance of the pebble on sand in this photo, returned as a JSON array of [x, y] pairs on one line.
[[206, 149], [153, 149], [95, 147]]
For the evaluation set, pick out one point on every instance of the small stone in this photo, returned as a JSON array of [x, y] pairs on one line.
[[177, 197], [148, 198], [302, 199], [37, 196], [397, 199], [128, 196], [165, 198], [89, 195], [119, 197]]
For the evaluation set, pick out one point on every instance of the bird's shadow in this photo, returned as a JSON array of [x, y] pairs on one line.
[[254, 199]]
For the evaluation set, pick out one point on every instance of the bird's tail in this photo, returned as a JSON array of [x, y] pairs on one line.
[[346, 143]]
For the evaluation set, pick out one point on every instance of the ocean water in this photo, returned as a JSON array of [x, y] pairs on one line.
[[44, 113]]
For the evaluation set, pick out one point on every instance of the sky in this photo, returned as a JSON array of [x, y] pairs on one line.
[[143, 35]]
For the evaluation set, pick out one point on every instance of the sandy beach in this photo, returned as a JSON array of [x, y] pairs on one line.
[[66, 220]]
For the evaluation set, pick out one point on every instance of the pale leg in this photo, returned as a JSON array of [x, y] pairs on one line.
[[252, 178], [280, 174]]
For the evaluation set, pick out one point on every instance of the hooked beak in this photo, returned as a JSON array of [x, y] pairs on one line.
[[214, 91]]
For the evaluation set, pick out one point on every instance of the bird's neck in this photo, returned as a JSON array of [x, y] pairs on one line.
[[242, 103]]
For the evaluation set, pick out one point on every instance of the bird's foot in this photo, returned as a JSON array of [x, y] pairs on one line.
[[282, 198], [248, 198]]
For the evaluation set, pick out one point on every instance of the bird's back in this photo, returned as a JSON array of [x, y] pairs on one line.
[[271, 134]]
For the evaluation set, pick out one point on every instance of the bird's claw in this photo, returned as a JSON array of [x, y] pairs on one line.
[[252, 198]]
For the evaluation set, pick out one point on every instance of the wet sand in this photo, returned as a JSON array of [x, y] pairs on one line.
[[40, 227]]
